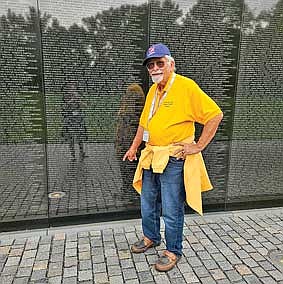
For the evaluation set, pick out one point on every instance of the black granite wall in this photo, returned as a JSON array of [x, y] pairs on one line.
[[72, 88]]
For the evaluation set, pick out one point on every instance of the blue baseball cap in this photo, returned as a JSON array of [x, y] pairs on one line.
[[155, 51]]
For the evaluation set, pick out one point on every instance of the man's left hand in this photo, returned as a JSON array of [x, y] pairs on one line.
[[188, 149]]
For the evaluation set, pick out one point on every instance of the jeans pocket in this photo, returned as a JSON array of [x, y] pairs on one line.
[[176, 162], [173, 173]]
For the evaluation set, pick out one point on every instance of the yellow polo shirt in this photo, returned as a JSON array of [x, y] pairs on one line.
[[184, 104]]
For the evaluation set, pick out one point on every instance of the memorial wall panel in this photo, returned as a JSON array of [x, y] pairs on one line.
[[204, 39], [22, 148], [256, 169], [72, 88], [92, 56]]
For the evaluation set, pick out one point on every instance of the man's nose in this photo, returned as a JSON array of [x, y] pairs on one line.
[[155, 67]]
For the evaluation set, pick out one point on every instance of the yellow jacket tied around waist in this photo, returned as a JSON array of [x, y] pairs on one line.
[[196, 178]]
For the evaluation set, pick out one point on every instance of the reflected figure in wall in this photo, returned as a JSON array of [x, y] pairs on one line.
[[131, 106], [74, 128]]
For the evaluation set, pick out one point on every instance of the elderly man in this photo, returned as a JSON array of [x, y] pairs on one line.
[[170, 169]]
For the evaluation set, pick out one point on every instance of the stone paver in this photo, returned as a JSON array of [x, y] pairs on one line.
[[222, 248]]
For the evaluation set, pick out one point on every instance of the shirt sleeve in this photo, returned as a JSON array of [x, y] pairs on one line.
[[201, 107], [143, 120], [146, 109]]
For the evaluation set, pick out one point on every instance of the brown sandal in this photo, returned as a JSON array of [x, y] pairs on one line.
[[143, 245], [167, 261]]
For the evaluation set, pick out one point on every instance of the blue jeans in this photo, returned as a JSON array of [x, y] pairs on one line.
[[164, 194]]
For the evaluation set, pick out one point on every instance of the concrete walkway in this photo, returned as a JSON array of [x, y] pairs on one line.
[[225, 247]]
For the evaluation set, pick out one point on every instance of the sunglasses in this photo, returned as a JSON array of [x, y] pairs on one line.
[[159, 64]]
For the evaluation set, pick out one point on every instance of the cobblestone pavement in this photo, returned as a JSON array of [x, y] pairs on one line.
[[226, 247]]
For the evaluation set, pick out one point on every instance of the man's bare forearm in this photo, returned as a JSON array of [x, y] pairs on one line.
[[138, 138], [209, 131]]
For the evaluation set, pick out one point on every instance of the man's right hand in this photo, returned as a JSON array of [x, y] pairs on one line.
[[131, 154]]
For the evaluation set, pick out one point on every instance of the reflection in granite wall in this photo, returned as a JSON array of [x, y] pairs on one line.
[[94, 90], [90, 64], [22, 151], [256, 172], [256, 169]]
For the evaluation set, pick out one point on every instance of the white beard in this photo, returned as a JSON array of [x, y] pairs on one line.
[[157, 78]]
